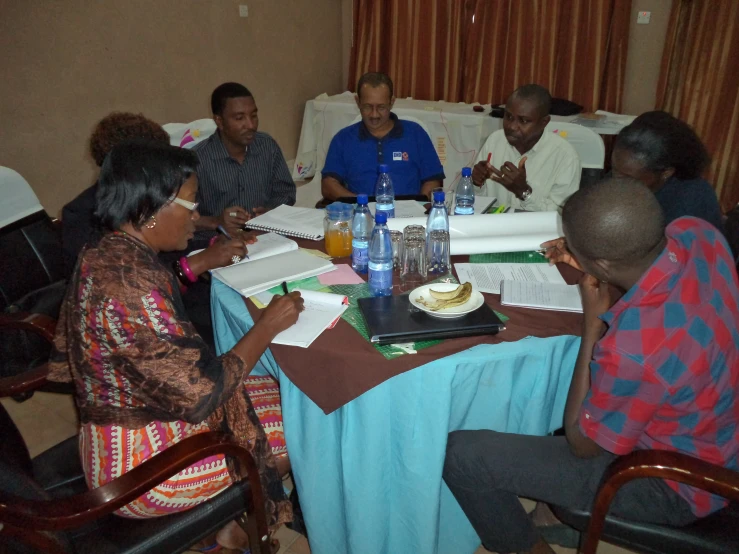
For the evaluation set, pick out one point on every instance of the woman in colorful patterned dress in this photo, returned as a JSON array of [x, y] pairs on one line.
[[144, 378]]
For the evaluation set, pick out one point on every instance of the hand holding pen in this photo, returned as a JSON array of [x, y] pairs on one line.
[[556, 251]]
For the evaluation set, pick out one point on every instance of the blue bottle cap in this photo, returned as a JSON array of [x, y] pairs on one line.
[[362, 199], [466, 172], [380, 218], [384, 168], [438, 196]]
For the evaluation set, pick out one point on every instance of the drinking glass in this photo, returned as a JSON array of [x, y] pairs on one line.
[[413, 268], [437, 254], [414, 231], [396, 239]]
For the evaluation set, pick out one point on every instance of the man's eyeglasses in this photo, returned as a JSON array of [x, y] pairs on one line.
[[368, 108]]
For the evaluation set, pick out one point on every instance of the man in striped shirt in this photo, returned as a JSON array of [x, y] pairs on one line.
[[242, 172]]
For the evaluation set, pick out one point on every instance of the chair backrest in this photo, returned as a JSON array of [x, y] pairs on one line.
[[19, 200], [187, 135], [31, 254], [587, 143]]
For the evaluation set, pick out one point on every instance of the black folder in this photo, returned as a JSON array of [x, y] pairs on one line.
[[393, 319]]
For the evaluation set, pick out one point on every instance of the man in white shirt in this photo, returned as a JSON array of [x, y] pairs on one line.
[[521, 165]]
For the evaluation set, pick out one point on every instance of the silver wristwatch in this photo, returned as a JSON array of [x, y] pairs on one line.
[[526, 195]]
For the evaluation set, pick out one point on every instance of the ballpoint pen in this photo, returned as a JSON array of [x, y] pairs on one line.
[[284, 287], [223, 231]]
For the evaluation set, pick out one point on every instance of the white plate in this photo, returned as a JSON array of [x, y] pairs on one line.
[[476, 300]]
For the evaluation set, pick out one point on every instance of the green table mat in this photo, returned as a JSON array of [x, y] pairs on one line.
[[509, 258]]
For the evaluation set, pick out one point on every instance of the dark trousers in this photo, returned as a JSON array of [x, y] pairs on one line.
[[487, 471]]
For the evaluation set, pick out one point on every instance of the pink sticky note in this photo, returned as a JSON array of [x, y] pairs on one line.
[[342, 275]]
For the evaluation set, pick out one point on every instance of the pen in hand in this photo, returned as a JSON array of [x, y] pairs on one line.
[[284, 287], [223, 231]]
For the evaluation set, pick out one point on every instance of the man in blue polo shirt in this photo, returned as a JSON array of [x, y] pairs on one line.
[[380, 138]]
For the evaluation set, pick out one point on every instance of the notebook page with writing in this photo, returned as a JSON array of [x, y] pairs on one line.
[[322, 311], [541, 296], [304, 223]]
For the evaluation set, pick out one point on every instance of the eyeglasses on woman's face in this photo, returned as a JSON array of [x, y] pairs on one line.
[[192, 206]]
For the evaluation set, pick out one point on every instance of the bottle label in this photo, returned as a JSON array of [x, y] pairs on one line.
[[464, 210], [380, 275], [389, 209], [360, 252]]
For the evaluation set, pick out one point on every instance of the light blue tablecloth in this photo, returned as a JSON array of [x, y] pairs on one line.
[[369, 474]]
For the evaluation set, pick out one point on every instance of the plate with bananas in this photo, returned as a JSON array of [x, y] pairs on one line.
[[446, 300]]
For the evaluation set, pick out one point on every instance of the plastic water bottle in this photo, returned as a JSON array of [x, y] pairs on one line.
[[465, 201], [361, 232], [438, 219], [385, 193], [380, 258]]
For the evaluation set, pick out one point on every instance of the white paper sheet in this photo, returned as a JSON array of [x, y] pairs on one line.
[[541, 296], [487, 277], [483, 234], [322, 309]]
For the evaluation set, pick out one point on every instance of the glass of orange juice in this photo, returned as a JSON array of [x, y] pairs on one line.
[[337, 227]]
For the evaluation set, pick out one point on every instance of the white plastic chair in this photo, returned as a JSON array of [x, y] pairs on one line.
[[19, 200], [187, 135], [587, 143]]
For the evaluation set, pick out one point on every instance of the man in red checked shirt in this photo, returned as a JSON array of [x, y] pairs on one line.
[[658, 368]]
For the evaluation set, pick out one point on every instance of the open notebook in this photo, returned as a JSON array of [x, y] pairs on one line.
[[541, 296], [260, 275], [267, 245], [322, 311], [306, 223]]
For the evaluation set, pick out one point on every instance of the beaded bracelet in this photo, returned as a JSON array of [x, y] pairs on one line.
[[186, 269]]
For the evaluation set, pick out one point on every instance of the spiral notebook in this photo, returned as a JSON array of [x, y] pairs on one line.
[[304, 223]]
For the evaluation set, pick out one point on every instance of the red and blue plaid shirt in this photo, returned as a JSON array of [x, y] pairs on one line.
[[666, 373]]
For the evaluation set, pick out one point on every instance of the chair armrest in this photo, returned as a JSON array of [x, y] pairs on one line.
[[41, 324], [659, 464], [71, 512], [25, 382]]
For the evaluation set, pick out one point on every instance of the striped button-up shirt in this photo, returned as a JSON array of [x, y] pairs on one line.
[[263, 180]]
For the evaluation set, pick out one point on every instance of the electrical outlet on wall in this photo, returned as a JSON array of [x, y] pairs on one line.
[[643, 18], [243, 10]]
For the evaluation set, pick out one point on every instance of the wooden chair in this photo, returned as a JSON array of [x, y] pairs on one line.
[[715, 534], [45, 505]]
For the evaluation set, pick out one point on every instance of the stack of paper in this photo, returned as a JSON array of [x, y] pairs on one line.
[[322, 311], [487, 277], [541, 296], [403, 208], [304, 223]]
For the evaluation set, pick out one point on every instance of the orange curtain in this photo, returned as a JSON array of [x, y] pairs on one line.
[[699, 83], [576, 48], [419, 43]]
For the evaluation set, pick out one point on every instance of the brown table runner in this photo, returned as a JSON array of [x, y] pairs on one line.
[[341, 365]]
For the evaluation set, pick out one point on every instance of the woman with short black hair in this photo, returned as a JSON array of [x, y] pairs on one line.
[[667, 156], [144, 378]]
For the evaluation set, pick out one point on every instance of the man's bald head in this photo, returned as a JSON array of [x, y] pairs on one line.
[[617, 221]]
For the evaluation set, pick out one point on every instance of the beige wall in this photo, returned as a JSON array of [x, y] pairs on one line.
[[645, 55], [66, 64]]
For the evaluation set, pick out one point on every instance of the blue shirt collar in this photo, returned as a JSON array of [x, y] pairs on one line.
[[395, 132]]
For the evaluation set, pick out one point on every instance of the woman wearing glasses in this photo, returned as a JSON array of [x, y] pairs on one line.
[[144, 377]]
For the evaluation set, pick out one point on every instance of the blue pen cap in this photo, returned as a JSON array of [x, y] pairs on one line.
[[384, 168], [466, 172], [380, 218], [362, 199], [438, 196]]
